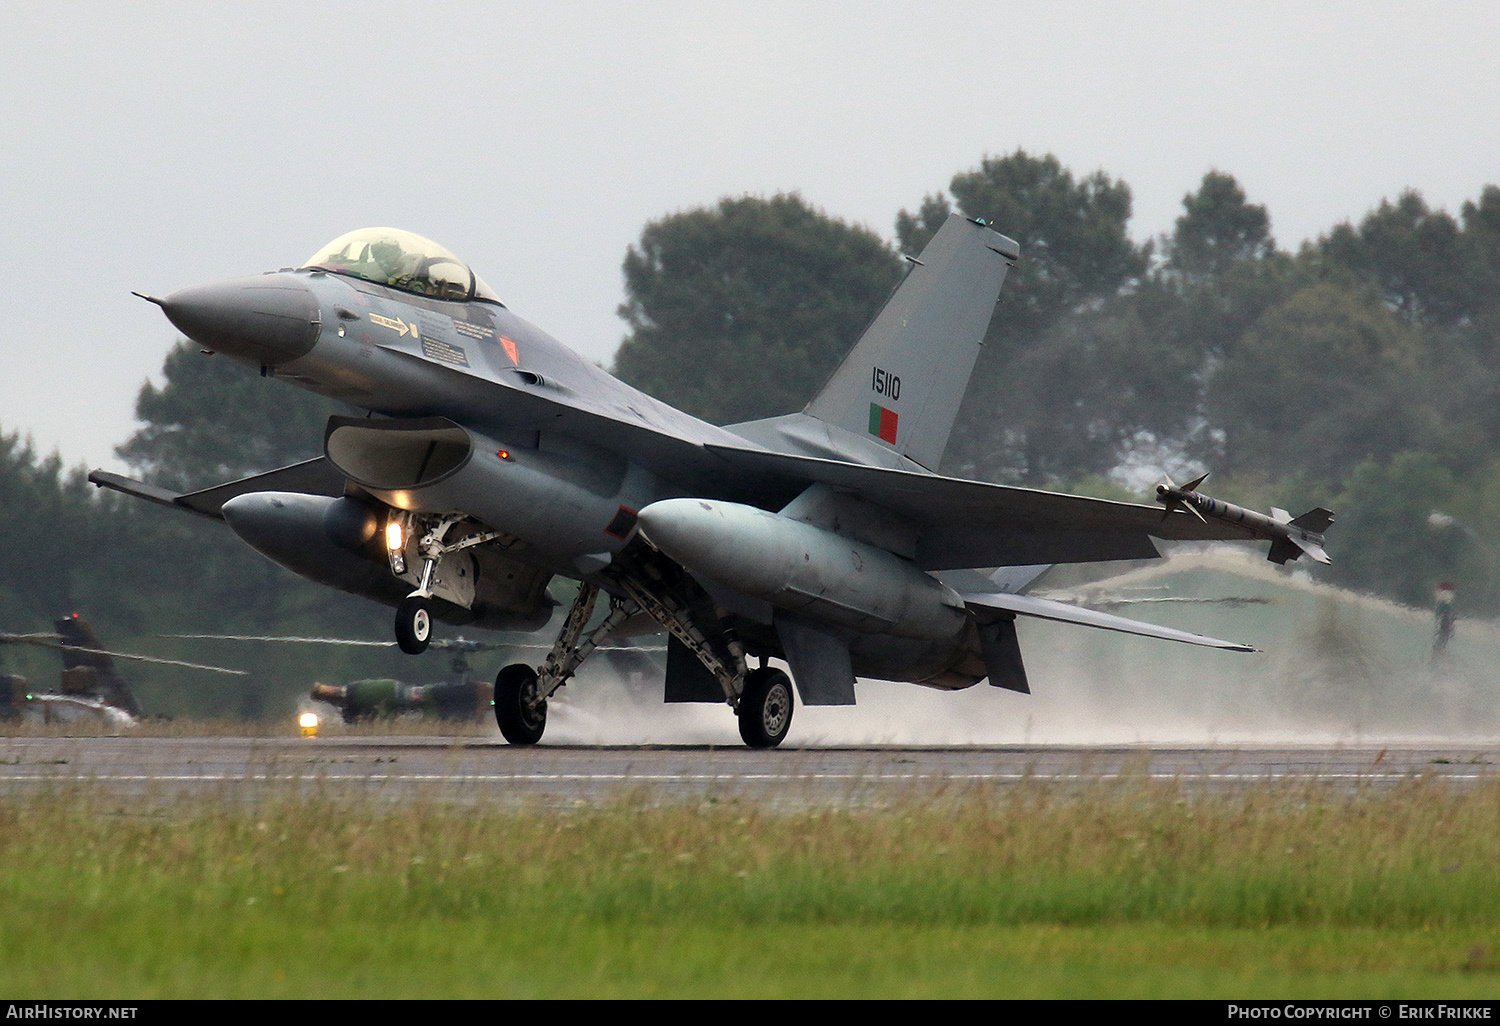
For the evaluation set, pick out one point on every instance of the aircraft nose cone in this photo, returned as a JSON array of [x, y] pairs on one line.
[[268, 319]]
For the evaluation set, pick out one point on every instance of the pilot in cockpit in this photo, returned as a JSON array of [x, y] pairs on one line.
[[401, 260], [396, 266]]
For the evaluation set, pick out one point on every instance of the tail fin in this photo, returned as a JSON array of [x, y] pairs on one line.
[[902, 383]]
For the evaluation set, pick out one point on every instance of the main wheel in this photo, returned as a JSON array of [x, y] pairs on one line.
[[520, 721], [414, 625], [765, 708]]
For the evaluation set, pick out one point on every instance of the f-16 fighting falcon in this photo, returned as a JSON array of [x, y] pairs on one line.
[[493, 459]]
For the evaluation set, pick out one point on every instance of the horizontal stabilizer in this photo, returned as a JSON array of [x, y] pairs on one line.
[[1048, 609]]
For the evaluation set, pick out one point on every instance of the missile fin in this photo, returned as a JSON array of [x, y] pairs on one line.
[[1283, 549], [1315, 551], [1317, 520], [1174, 505]]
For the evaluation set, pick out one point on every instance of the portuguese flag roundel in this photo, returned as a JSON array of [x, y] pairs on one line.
[[883, 423]]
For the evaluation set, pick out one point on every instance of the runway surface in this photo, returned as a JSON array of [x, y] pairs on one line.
[[477, 770]]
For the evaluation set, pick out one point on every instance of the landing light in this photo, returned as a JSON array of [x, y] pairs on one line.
[[393, 539], [309, 724]]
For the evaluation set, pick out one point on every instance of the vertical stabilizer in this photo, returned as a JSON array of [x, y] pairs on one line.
[[902, 383]]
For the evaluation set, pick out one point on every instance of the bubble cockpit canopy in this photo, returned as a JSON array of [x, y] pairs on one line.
[[401, 260]]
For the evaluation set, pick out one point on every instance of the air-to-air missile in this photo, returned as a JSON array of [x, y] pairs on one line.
[[1290, 537]]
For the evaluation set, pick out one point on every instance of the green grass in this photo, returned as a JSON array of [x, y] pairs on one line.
[[1113, 890]]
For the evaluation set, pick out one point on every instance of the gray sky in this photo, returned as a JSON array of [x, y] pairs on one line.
[[151, 145]]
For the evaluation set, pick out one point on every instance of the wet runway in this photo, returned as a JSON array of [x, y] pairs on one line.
[[477, 770]]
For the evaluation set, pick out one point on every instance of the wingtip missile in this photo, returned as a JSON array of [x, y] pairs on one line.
[[1290, 537], [1167, 494]]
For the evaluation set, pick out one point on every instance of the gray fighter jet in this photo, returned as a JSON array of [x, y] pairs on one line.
[[493, 458], [91, 690]]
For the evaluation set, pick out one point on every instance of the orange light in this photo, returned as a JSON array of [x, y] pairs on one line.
[[393, 539], [504, 454]]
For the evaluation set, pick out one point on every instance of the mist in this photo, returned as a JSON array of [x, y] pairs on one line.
[[1333, 667]]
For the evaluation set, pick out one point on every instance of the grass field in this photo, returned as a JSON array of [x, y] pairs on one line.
[[1121, 889]]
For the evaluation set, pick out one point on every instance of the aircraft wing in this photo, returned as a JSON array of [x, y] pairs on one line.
[[1049, 609], [311, 477], [972, 523]]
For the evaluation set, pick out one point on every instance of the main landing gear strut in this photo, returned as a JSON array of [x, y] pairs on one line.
[[761, 698], [521, 692]]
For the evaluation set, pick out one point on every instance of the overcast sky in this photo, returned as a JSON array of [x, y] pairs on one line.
[[150, 146]]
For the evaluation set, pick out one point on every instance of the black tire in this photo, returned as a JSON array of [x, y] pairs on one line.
[[414, 625], [520, 722], [765, 708]]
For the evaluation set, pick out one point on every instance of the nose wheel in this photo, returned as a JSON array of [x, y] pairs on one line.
[[414, 625]]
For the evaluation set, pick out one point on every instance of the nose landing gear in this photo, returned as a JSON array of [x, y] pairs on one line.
[[414, 615]]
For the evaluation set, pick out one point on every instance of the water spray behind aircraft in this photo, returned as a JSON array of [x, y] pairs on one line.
[[1289, 537]]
